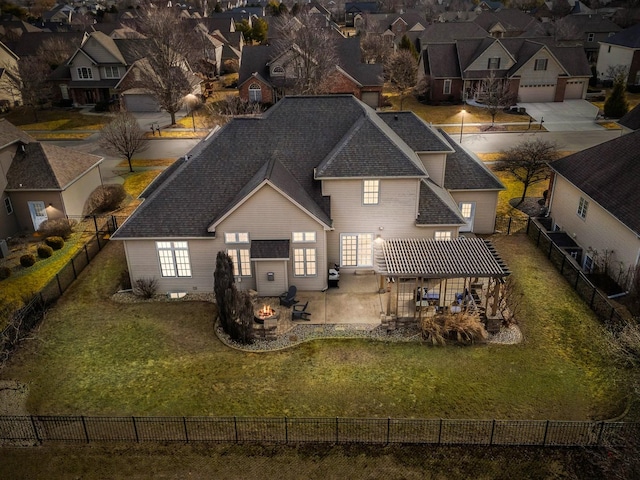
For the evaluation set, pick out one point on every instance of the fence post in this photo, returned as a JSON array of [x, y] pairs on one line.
[[286, 430], [86, 253], [73, 267], [84, 426], [575, 285], [599, 441], [564, 258], [59, 285], [235, 427], [337, 430], [388, 429], [95, 224], [509, 226], [440, 432], [98, 239], [35, 429], [546, 429], [135, 429], [528, 223], [186, 432], [493, 428], [550, 250], [538, 239], [593, 297]]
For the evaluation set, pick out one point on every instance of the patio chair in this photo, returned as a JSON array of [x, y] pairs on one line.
[[299, 312], [288, 298]]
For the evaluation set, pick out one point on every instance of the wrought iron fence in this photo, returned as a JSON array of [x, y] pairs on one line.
[[284, 430], [571, 271], [510, 225]]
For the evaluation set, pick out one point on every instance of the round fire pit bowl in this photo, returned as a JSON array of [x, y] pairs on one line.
[[266, 312]]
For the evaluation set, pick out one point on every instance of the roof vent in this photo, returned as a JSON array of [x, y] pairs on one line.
[[395, 117]]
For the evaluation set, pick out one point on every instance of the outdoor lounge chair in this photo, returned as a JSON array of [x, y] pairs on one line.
[[288, 298], [299, 312]]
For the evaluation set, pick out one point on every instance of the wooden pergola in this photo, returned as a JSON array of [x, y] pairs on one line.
[[440, 273]]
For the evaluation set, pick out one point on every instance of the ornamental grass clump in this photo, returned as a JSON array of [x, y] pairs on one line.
[[56, 243], [5, 272], [27, 260], [463, 328], [145, 287]]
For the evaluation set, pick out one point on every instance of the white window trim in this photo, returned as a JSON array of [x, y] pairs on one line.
[[543, 62], [493, 60], [277, 71], [446, 87], [442, 235], [236, 237], [361, 239], [81, 70], [583, 207], [303, 237], [108, 72], [8, 206], [308, 262], [175, 251], [241, 259], [255, 93], [371, 192]]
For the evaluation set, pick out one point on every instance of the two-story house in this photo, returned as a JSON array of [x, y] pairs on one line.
[[315, 181], [587, 29], [537, 70], [595, 198], [621, 50]]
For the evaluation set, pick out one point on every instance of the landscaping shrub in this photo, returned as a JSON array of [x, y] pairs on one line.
[[45, 251], [27, 260], [56, 243], [616, 105], [5, 272], [462, 328], [58, 227], [105, 199], [145, 287]]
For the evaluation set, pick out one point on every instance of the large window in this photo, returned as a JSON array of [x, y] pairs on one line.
[[7, 205], [241, 259], [304, 262], [356, 250], [493, 63], [255, 93], [111, 72], [371, 192], [236, 237], [541, 64], [446, 87], [174, 259], [303, 237], [443, 236], [85, 73], [583, 205]]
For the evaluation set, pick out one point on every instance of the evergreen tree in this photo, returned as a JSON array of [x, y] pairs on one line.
[[224, 289], [407, 44], [616, 104]]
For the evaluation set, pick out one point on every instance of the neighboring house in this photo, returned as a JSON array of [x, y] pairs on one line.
[[393, 26], [536, 71], [595, 198], [355, 11], [59, 14], [10, 95], [39, 181], [621, 49], [590, 30], [266, 72], [508, 23], [321, 180]]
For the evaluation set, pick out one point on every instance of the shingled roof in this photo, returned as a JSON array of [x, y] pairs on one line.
[[629, 37], [631, 119], [608, 173], [48, 167], [10, 134]]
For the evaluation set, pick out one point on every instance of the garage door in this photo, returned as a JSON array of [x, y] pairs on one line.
[[574, 90], [536, 93], [140, 103]]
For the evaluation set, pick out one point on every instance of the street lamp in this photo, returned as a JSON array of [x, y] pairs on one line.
[[462, 125], [191, 100]]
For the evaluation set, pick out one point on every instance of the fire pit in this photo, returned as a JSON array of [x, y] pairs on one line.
[[266, 312]]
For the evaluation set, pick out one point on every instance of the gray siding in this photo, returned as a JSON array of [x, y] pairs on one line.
[[280, 282], [485, 213], [435, 165], [76, 195]]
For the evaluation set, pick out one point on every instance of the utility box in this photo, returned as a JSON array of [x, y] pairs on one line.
[[4, 249], [271, 276]]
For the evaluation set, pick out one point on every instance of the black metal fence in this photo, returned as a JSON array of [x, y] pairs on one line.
[[571, 271], [511, 225], [284, 430]]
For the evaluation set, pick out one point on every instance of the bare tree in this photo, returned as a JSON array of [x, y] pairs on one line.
[[55, 50], [402, 70], [528, 162], [123, 137], [309, 50], [495, 94], [29, 80], [374, 48], [163, 68]]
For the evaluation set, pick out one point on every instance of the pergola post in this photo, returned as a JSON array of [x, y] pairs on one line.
[[496, 296]]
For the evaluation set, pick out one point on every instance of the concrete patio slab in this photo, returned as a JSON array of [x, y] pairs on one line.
[[570, 115]]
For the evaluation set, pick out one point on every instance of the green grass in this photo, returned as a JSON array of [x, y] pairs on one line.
[[136, 182], [96, 357]]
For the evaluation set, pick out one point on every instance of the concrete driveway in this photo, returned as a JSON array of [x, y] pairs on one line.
[[570, 115]]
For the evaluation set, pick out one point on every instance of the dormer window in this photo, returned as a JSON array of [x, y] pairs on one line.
[[277, 71], [85, 73], [111, 72]]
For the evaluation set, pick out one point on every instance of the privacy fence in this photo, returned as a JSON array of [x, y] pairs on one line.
[[22, 321], [605, 310], [284, 430]]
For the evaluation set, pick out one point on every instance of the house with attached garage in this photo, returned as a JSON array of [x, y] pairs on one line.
[[595, 198], [315, 181]]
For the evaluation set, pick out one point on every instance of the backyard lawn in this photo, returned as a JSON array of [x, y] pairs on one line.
[[95, 357]]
